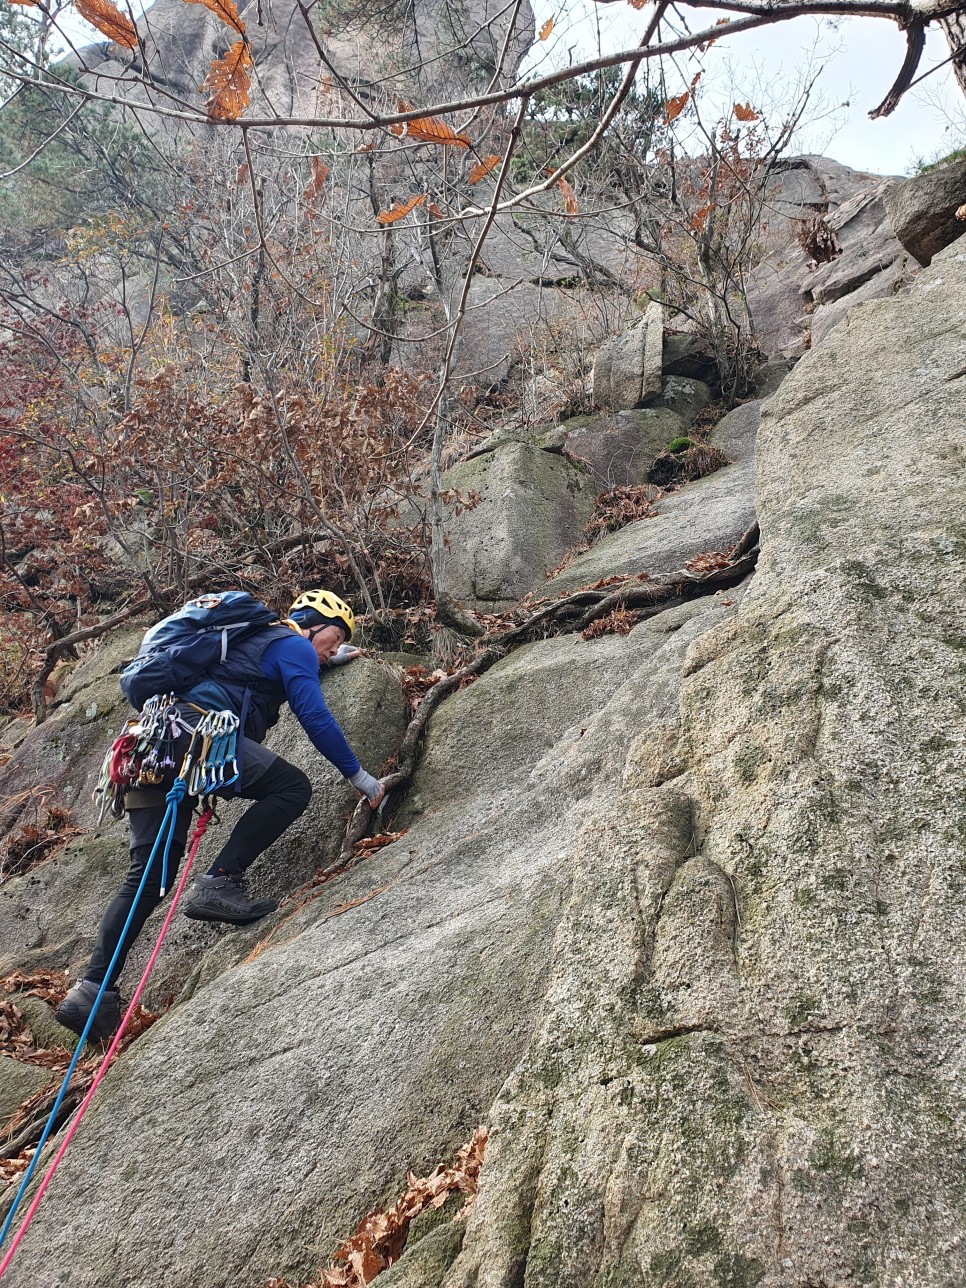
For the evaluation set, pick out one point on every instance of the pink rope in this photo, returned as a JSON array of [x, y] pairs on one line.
[[196, 836]]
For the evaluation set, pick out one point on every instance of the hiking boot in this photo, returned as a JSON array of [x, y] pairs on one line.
[[78, 1004], [225, 899]]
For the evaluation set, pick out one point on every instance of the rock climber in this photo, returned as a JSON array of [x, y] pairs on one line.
[[279, 663]]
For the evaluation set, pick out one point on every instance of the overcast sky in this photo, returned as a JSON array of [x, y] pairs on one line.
[[861, 58]]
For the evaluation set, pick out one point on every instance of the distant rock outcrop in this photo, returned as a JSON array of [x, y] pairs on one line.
[[461, 44]]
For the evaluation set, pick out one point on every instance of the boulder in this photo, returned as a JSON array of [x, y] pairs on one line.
[[618, 449], [769, 375], [709, 514], [776, 304], [684, 396], [880, 287], [532, 503], [923, 210], [627, 370], [736, 432], [18, 1082], [854, 267], [689, 354]]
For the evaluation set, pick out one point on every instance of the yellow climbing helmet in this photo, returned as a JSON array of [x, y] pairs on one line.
[[322, 608]]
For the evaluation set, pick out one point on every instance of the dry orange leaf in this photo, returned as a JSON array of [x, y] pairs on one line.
[[569, 196], [637, 4], [700, 218], [427, 129], [546, 29], [320, 172], [435, 211], [243, 172], [483, 168], [675, 106], [23, 2], [109, 21], [745, 112], [225, 10], [228, 82], [400, 210]]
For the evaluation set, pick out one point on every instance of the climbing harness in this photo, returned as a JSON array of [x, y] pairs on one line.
[[147, 741]]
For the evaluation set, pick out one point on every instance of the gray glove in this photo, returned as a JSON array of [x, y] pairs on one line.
[[346, 653], [366, 784]]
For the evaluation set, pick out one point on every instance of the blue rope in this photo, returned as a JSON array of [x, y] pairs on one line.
[[174, 798]]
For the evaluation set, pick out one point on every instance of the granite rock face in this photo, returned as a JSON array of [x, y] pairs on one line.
[[923, 210], [749, 1066], [680, 914]]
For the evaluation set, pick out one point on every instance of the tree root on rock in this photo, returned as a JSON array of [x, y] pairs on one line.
[[569, 614]]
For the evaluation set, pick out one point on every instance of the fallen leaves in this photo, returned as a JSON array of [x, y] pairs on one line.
[[417, 682], [618, 507], [708, 561], [380, 1237], [617, 622], [109, 20], [49, 985], [229, 83]]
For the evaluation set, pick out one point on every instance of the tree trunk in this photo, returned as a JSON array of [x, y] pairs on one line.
[[955, 28]]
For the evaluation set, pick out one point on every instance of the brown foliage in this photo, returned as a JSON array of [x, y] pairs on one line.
[[817, 240], [109, 20], [320, 172], [380, 1238], [429, 129], [569, 196], [619, 507], [618, 622], [400, 210], [44, 830], [225, 10], [228, 82], [483, 168], [708, 561]]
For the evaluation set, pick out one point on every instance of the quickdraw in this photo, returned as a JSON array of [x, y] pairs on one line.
[[142, 754], [218, 731]]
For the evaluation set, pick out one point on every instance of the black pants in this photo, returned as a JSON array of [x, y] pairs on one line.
[[280, 792]]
